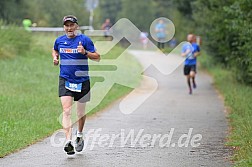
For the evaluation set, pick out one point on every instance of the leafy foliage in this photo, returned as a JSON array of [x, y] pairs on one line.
[[44, 13], [240, 23], [141, 13], [110, 9]]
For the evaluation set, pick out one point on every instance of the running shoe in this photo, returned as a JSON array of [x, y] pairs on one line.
[[190, 91], [79, 144], [69, 149], [194, 85]]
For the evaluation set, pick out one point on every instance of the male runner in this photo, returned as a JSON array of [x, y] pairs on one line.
[[76, 48], [191, 52]]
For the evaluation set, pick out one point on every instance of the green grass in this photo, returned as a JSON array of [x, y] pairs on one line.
[[238, 100], [29, 103], [14, 41], [28, 99]]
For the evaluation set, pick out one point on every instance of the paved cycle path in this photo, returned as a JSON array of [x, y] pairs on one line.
[[158, 134]]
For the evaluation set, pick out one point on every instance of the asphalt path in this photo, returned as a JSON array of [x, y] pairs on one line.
[[170, 128]]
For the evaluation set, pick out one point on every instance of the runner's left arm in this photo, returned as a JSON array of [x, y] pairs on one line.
[[93, 56], [88, 49], [197, 53]]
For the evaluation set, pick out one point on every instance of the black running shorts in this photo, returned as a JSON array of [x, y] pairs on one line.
[[83, 96], [188, 68]]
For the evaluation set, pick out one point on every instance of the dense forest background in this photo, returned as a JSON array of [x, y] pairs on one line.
[[224, 25]]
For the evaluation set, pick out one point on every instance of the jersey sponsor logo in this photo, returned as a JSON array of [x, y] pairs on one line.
[[68, 50]]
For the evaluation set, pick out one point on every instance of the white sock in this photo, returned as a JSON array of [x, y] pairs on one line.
[[79, 134], [68, 141]]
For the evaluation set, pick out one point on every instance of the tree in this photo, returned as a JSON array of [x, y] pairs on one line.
[[185, 7], [110, 9], [9, 12], [164, 8], [44, 13], [209, 17], [240, 24], [140, 13]]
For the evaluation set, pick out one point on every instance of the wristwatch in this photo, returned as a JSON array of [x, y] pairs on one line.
[[86, 52]]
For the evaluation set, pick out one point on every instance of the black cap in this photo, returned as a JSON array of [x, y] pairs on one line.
[[70, 18]]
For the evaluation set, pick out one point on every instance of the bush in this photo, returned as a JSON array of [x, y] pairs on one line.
[[240, 23], [14, 40], [226, 28]]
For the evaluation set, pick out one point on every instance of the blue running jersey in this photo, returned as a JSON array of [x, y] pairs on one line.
[[67, 48], [190, 59]]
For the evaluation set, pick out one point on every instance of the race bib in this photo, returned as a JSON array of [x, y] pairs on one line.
[[73, 86]]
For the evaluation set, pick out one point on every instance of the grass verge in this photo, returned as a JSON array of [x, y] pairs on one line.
[[29, 103], [238, 100]]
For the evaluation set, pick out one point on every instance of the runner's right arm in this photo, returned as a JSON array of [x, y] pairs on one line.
[[55, 56], [184, 54]]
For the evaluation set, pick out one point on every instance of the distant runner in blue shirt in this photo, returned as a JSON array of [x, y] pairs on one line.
[[74, 51], [160, 29], [191, 52]]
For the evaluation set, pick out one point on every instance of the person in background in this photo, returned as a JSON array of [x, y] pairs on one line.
[[144, 39], [160, 29], [27, 23], [191, 52], [106, 26]]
